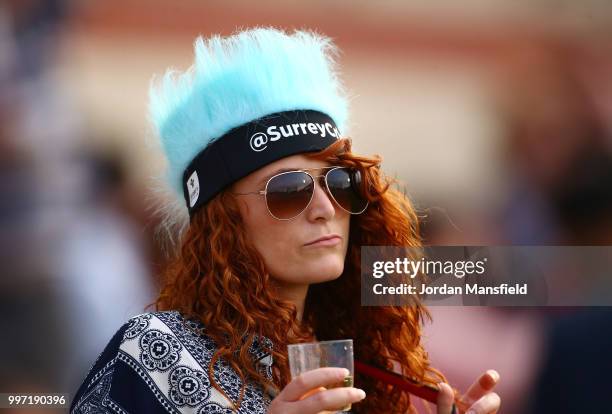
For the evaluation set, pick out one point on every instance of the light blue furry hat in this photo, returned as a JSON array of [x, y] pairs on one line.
[[238, 79]]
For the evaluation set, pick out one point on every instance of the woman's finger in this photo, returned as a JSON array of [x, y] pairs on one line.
[[483, 385], [333, 400], [446, 398], [312, 391], [312, 379], [487, 404]]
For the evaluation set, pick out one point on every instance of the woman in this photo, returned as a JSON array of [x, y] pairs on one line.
[[278, 209]]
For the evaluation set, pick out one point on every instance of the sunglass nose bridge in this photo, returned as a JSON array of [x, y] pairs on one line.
[[321, 183]]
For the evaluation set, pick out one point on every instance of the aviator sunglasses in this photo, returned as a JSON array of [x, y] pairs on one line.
[[289, 193]]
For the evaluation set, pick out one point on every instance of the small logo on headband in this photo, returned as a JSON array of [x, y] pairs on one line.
[[259, 141], [193, 186]]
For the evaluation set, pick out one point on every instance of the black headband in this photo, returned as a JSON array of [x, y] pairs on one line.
[[251, 146]]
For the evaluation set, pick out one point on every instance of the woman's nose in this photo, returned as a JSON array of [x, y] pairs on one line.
[[322, 204]]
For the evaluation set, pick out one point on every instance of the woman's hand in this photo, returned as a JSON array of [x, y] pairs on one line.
[[306, 394], [479, 399]]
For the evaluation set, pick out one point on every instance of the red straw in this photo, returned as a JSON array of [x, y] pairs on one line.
[[424, 391], [421, 390]]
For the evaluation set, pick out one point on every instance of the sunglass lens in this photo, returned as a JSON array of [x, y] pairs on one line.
[[288, 194], [345, 186]]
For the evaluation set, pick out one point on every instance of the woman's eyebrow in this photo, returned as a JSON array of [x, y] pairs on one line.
[[267, 177], [280, 170]]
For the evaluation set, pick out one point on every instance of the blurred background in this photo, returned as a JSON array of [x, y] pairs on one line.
[[495, 116]]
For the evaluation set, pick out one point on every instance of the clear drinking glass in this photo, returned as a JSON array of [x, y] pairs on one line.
[[308, 356]]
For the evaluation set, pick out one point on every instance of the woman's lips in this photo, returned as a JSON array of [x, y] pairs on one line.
[[332, 241]]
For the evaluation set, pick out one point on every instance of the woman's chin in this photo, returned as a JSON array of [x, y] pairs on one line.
[[326, 272]]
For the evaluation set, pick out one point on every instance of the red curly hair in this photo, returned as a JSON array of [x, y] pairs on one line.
[[219, 278]]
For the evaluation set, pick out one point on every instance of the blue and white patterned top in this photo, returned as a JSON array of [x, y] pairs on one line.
[[158, 362]]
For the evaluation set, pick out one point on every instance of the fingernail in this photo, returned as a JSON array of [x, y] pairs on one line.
[[471, 412], [362, 394], [493, 375], [345, 372]]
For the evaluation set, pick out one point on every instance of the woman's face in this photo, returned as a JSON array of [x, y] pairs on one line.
[[284, 244]]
